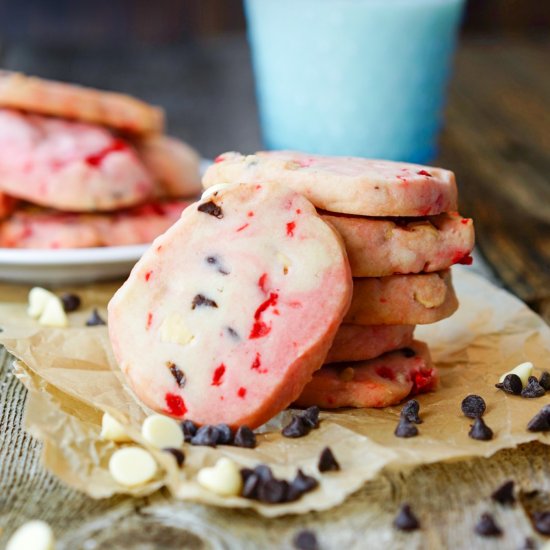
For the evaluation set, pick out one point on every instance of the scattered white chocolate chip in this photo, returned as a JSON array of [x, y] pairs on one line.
[[523, 370], [214, 189], [224, 478], [33, 535], [162, 431], [38, 297], [173, 330], [132, 466], [112, 429], [54, 314]]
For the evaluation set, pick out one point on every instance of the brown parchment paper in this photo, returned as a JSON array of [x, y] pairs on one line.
[[72, 379]]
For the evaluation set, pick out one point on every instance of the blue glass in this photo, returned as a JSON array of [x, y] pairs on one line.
[[353, 77]]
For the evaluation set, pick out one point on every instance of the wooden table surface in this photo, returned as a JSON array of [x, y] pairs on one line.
[[498, 142]]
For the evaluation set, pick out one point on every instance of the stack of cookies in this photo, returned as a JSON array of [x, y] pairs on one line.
[[82, 168], [402, 233]]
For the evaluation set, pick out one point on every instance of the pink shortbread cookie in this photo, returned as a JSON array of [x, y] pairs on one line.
[[68, 165], [173, 163], [415, 299], [345, 184], [362, 342], [36, 228], [380, 382], [379, 247], [228, 314]]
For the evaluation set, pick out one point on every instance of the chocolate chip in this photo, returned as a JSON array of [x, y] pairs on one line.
[[71, 302], [250, 486], [207, 436], [529, 544], [541, 521], [245, 437], [263, 471], [533, 388], [505, 493], [200, 300], [189, 429], [273, 491], [311, 416], [327, 461], [177, 454], [541, 421], [410, 411], [214, 260], [487, 527], [511, 384], [233, 333], [95, 320], [480, 431], [296, 428], [211, 208], [303, 483], [544, 380], [225, 434], [406, 520], [405, 429], [177, 374], [305, 540], [408, 352], [473, 406]]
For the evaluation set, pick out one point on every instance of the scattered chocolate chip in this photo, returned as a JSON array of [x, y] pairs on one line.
[[480, 431], [211, 208], [71, 302], [544, 380], [327, 461], [406, 520], [273, 491], [95, 320], [233, 333], [505, 493], [541, 421], [541, 521], [177, 374], [408, 352], [410, 411], [207, 436], [305, 540], [473, 406], [214, 260], [311, 416], [177, 454], [263, 471], [189, 429], [304, 483], [533, 388], [296, 428], [250, 486], [225, 434], [405, 429], [487, 527], [244, 437], [529, 544], [200, 300], [511, 384]]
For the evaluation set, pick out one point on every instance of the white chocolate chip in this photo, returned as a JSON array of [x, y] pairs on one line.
[[132, 466], [112, 429], [214, 189], [523, 370], [173, 330], [33, 535], [38, 297], [53, 315], [162, 431], [224, 478]]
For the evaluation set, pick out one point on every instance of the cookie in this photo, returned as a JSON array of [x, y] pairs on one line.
[[380, 382], [70, 166], [59, 99], [173, 164], [416, 299], [228, 314], [345, 184], [361, 342], [37, 228], [379, 247]]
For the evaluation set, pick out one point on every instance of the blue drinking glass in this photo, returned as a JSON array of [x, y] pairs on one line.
[[353, 77]]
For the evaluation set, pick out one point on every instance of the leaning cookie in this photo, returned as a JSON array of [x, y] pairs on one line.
[[59, 99], [345, 184]]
